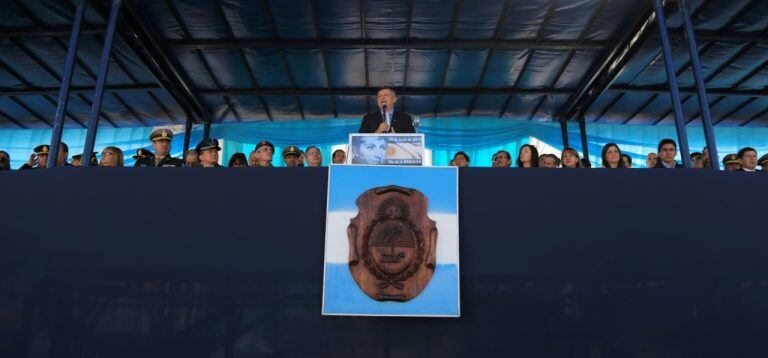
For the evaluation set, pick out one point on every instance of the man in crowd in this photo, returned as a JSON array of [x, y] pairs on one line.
[[763, 161], [208, 153], [314, 157], [387, 120], [302, 158], [731, 163], [697, 160], [502, 159], [460, 159], [5, 161], [748, 159], [77, 160], [39, 159], [262, 155], [667, 152], [291, 156], [339, 157], [161, 142], [706, 162], [651, 160], [627, 160], [191, 159]]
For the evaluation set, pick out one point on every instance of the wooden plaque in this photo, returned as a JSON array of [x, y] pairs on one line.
[[392, 243]]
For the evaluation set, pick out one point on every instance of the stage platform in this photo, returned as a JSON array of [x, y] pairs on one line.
[[229, 263]]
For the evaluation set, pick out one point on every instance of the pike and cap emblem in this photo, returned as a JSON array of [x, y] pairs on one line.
[[392, 243]]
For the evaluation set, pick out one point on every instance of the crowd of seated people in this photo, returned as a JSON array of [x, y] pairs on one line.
[[206, 154], [745, 160]]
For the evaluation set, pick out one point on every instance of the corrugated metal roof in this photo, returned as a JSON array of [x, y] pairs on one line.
[[305, 59]]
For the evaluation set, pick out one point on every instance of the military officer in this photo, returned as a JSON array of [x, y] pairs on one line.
[[161, 141], [38, 159], [262, 155], [763, 162], [731, 163], [291, 156], [208, 152]]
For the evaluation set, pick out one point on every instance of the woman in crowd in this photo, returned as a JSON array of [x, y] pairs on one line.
[[570, 158], [238, 160], [313, 157], [528, 157], [339, 156], [111, 157], [612, 156]]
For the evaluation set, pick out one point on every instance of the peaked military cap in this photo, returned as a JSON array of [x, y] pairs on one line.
[[265, 143], [161, 134], [78, 156], [206, 144], [763, 161], [731, 159], [143, 153], [41, 149], [291, 149]]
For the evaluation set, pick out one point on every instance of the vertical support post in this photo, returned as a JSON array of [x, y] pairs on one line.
[[187, 133], [66, 82], [564, 130], [583, 133], [101, 80], [701, 91], [674, 90], [207, 130]]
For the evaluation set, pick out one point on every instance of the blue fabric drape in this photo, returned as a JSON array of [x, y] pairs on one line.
[[480, 137]]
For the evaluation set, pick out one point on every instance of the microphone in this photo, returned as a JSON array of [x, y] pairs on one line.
[[384, 116]]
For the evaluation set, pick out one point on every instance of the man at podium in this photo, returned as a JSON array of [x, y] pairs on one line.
[[387, 120]]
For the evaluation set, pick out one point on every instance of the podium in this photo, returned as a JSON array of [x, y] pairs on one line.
[[386, 149]]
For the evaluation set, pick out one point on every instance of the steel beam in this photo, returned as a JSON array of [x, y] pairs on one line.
[[66, 81], [701, 91], [604, 73], [583, 134], [154, 57], [669, 65], [187, 136], [362, 91], [106, 52], [386, 44], [564, 132], [4, 91], [51, 31], [692, 91]]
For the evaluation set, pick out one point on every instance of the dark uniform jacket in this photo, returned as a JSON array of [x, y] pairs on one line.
[[27, 167], [401, 123], [166, 162]]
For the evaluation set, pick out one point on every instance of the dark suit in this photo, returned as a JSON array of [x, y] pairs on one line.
[[401, 123], [659, 164]]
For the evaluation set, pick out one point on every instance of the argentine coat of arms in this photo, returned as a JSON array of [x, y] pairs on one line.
[[392, 243]]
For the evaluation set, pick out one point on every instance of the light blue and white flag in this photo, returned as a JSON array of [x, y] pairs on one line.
[[341, 294]]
